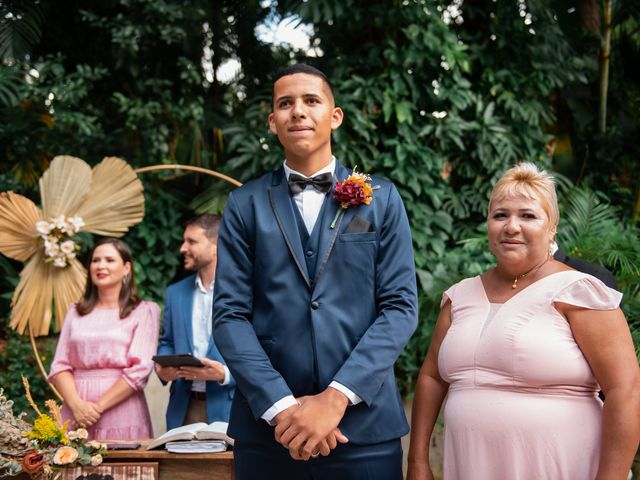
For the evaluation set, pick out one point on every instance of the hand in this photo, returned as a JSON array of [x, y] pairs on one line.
[[85, 413], [166, 374], [326, 445], [311, 428], [212, 371]]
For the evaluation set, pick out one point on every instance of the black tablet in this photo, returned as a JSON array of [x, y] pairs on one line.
[[179, 360]]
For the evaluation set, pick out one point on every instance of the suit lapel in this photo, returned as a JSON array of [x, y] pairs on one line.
[[283, 211], [186, 309], [328, 235]]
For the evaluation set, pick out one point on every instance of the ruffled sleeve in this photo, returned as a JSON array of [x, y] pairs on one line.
[[61, 360], [589, 292], [143, 345], [448, 295]]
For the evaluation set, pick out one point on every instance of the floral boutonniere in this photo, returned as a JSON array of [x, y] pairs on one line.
[[356, 190]]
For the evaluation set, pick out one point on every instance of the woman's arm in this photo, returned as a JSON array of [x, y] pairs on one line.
[[605, 340], [429, 395], [85, 413], [117, 393]]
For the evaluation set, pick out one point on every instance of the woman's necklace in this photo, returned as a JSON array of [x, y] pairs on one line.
[[534, 269]]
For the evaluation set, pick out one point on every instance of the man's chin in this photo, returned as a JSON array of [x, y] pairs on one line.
[[189, 266]]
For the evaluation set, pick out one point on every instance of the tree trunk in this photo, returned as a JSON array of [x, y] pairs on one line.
[[604, 66]]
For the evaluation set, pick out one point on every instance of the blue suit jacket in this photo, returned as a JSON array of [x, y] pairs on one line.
[[177, 337], [283, 333]]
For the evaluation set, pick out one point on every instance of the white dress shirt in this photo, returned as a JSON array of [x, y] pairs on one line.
[[201, 314], [309, 203]]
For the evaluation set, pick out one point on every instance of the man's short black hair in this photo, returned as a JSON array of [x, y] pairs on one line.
[[299, 68], [209, 223]]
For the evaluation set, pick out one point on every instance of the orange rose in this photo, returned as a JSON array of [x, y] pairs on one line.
[[65, 456], [32, 462]]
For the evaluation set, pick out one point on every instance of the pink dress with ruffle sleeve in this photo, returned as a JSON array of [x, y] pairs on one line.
[[522, 401], [100, 348]]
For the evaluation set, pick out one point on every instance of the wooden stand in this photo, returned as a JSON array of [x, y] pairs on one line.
[[179, 466]]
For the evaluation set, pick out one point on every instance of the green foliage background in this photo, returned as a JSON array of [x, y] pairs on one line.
[[439, 96]]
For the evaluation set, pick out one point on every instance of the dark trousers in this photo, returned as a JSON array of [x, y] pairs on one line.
[[382, 461]]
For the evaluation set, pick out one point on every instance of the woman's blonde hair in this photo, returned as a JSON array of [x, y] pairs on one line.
[[527, 180]]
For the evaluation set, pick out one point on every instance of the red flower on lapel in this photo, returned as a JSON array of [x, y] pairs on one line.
[[356, 190]]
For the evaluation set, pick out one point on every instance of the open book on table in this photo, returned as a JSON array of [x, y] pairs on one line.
[[196, 446], [194, 431]]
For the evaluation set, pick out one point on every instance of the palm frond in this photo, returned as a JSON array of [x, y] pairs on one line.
[[64, 186], [18, 217], [67, 289], [32, 299], [115, 201], [10, 87], [583, 215]]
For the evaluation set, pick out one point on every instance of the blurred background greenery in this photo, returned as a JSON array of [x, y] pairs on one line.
[[440, 97]]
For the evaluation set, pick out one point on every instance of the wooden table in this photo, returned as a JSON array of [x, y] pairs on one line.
[[179, 466]]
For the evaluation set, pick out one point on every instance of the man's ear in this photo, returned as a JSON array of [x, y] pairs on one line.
[[272, 124], [336, 118]]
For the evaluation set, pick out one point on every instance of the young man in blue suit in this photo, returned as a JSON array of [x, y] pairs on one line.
[[310, 318], [197, 394]]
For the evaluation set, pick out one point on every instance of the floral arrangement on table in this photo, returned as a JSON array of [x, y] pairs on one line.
[[41, 450], [354, 191], [106, 200]]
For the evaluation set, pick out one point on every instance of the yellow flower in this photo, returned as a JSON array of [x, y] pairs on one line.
[[65, 456], [45, 429]]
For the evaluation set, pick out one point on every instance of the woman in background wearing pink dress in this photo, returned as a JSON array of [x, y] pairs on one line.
[[103, 356], [521, 352]]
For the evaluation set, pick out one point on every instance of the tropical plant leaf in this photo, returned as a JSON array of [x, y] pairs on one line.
[[20, 28]]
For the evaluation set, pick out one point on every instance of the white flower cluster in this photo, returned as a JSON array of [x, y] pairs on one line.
[[55, 234]]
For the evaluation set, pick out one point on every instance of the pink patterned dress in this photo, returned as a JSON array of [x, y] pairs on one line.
[[522, 401], [98, 349]]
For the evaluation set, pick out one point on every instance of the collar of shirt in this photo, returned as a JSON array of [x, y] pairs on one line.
[[200, 286], [331, 168], [309, 201]]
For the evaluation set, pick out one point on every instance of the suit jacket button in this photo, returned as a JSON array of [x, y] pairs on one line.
[[309, 253], [315, 305]]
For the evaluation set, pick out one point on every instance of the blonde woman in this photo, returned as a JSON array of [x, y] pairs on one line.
[[521, 351]]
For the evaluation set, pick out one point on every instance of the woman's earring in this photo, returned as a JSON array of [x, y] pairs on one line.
[[125, 279]]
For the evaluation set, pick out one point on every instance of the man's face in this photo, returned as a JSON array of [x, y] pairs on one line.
[[303, 115], [197, 249]]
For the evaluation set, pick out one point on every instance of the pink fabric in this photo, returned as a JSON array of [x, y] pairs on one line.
[[100, 348], [522, 400]]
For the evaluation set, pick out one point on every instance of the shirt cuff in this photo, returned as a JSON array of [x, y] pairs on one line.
[[353, 398], [280, 406], [227, 376]]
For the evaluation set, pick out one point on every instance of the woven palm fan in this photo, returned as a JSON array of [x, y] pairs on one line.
[[108, 198]]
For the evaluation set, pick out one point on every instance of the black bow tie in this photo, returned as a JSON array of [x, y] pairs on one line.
[[322, 182]]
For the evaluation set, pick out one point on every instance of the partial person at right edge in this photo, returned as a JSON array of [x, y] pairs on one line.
[[197, 394], [598, 271], [521, 352]]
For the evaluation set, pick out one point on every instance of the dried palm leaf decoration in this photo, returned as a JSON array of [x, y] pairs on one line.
[[106, 200]]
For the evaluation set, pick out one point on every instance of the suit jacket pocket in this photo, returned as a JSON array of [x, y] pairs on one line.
[[359, 225], [357, 237]]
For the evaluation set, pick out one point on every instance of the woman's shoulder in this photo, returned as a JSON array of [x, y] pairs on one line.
[[462, 287], [149, 306], [582, 289]]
